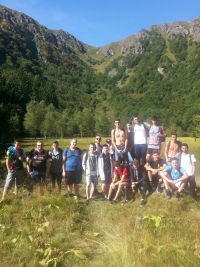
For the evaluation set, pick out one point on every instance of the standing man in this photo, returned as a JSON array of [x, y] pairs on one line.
[[15, 157], [119, 141], [174, 176], [130, 137], [98, 145], [40, 165], [172, 148], [140, 139], [72, 167], [98, 151], [155, 134], [105, 169], [188, 162], [56, 165], [90, 166]]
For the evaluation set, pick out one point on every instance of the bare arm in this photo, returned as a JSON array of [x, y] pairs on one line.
[[63, 165], [8, 164], [126, 140], [193, 168], [113, 139], [166, 151]]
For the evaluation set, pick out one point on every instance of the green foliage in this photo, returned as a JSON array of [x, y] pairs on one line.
[[35, 66]]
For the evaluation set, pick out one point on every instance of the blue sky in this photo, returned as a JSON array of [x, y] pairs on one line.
[[99, 22]]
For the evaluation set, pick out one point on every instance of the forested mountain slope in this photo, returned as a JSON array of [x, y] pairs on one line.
[[83, 88]]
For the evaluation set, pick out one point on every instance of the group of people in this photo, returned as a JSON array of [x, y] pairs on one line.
[[124, 162]]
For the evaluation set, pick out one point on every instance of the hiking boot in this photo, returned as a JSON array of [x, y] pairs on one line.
[[142, 202], [177, 196], [168, 194]]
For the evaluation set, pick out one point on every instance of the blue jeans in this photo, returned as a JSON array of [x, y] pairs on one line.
[[125, 156], [140, 152]]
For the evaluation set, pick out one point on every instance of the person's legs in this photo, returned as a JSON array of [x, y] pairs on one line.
[[19, 179], [119, 189], [41, 177], [137, 152], [9, 183], [88, 184], [143, 153], [53, 180], [193, 186], [77, 178], [59, 181], [144, 189]]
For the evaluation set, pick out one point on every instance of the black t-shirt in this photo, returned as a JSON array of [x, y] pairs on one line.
[[106, 161], [38, 160], [56, 160], [130, 139], [138, 175], [156, 165]]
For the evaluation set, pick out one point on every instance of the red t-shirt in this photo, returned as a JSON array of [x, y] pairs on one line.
[[122, 171]]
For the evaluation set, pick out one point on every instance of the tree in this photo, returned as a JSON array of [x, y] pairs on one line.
[[34, 118]]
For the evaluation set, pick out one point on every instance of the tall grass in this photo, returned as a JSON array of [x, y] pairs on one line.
[[53, 230]]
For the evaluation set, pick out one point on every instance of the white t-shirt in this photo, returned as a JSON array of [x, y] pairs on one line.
[[186, 163], [140, 137]]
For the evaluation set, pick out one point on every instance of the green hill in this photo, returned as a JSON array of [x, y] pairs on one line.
[[154, 72]]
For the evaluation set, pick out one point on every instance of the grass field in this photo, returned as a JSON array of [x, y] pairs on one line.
[[53, 230]]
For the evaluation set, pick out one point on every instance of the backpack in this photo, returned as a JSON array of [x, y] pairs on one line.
[[11, 152], [180, 155]]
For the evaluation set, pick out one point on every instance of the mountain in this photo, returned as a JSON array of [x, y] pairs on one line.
[[153, 72]]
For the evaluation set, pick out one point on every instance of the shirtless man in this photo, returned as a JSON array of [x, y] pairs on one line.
[[172, 148], [119, 141]]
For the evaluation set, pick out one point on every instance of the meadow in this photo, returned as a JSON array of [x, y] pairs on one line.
[[53, 230]]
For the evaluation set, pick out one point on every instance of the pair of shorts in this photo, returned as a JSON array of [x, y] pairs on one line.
[[108, 178], [56, 177], [14, 177], [91, 179], [73, 177]]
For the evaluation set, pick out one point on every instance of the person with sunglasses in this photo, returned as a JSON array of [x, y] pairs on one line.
[[38, 165], [97, 144]]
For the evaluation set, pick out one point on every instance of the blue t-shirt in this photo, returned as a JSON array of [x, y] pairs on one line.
[[73, 161], [175, 175]]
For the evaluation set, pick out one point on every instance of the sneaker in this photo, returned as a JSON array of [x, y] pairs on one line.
[[177, 196], [159, 190], [142, 202], [87, 202], [103, 199], [125, 202], [113, 202], [77, 196], [168, 194]]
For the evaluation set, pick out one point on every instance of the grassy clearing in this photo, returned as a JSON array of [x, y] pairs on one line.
[[53, 230]]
